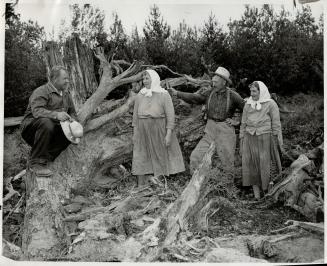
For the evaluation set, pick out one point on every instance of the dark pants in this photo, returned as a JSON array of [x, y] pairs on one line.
[[46, 138]]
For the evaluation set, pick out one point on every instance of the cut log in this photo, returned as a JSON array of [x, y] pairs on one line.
[[13, 121]]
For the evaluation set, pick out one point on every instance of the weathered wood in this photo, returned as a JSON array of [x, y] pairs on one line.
[[11, 251], [45, 230], [294, 191], [177, 214], [107, 106], [291, 225], [13, 121], [186, 80], [118, 112], [78, 59], [107, 84], [19, 175]]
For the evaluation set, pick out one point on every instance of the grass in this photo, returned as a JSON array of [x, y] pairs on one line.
[[307, 123], [303, 129]]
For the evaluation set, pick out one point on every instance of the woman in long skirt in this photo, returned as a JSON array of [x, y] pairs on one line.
[[260, 135], [156, 150]]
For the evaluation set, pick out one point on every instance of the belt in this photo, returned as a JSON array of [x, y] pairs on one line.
[[217, 120]]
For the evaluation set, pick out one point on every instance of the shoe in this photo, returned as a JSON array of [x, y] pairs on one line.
[[41, 170], [155, 180]]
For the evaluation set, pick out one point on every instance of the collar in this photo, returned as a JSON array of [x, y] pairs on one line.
[[220, 91], [54, 89]]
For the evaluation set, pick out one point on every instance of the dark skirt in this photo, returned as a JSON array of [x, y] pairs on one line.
[[150, 155], [260, 160]]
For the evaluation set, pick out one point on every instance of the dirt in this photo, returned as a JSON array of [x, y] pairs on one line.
[[230, 226], [235, 222]]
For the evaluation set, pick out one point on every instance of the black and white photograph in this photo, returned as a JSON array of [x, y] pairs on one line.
[[162, 131]]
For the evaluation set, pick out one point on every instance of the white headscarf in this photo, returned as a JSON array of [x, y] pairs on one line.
[[263, 97], [155, 84]]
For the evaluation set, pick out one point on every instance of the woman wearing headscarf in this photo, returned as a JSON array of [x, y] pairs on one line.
[[156, 150], [260, 135]]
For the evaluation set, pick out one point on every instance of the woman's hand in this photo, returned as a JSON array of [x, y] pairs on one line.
[[232, 122], [135, 132], [168, 138]]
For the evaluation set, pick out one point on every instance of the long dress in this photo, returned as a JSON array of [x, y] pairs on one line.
[[151, 118], [260, 156]]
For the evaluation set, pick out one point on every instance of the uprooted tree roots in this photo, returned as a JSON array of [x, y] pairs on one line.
[[156, 223]]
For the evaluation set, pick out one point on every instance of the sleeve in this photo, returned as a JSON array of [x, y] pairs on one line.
[[239, 101], [38, 101], [196, 98], [243, 122], [71, 109], [136, 107], [169, 111], [275, 121]]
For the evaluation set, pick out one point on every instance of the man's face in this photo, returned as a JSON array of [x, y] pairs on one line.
[[218, 82], [62, 81]]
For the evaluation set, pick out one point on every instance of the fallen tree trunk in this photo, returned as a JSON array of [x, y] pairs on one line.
[[107, 143], [12, 121], [45, 232], [178, 214]]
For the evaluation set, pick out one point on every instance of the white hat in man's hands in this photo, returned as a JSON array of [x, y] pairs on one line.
[[224, 73], [72, 130]]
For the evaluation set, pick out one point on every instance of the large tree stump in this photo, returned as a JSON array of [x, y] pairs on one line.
[[78, 59], [104, 145]]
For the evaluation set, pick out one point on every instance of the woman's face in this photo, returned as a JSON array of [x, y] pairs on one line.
[[255, 93], [147, 80]]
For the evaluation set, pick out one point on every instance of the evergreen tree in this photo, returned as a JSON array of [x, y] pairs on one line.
[[117, 37], [213, 44], [156, 33], [87, 22], [24, 66], [136, 46]]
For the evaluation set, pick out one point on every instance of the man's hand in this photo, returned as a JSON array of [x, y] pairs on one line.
[[232, 122], [170, 89], [63, 116]]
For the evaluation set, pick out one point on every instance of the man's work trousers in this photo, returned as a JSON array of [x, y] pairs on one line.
[[46, 138], [225, 141]]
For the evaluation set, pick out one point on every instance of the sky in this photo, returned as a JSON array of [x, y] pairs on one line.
[[49, 13]]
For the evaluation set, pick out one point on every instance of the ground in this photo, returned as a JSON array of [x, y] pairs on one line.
[[235, 220]]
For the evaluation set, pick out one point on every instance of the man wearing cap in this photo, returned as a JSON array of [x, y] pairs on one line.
[[221, 103], [48, 105]]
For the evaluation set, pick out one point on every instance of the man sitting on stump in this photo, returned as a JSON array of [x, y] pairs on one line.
[[48, 105]]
